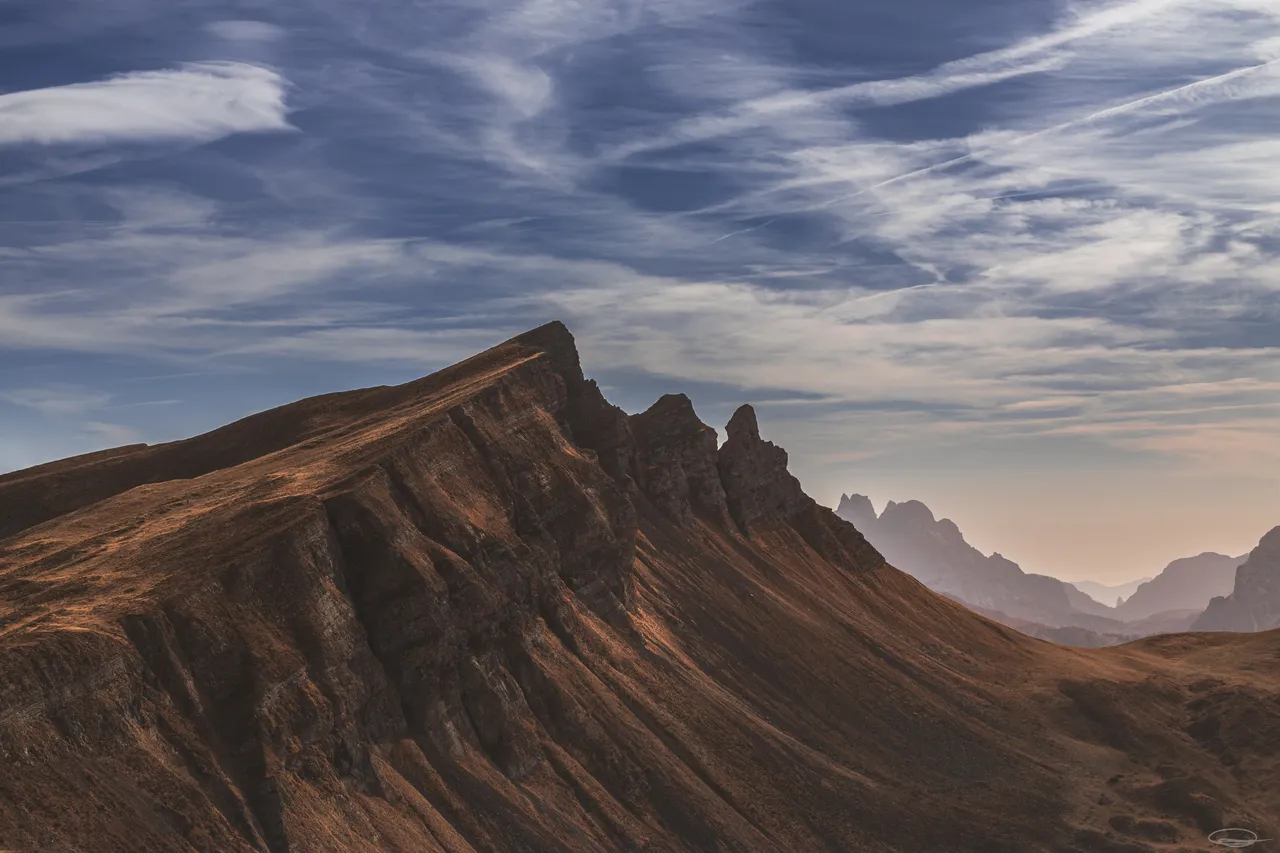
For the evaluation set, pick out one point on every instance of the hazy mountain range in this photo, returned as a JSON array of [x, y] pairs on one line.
[[935, 552], [1108, 594]]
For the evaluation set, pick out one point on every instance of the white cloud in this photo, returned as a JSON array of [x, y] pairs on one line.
[[198, 102], [156, 206], [174, 291], [57, 401]]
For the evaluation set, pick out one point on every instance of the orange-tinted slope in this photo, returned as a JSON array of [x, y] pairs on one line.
[[487, 611]]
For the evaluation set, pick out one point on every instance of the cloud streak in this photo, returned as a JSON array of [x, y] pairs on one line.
[[197, 102]]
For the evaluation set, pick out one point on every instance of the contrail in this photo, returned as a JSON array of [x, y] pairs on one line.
[[745, 230], [1119, 109]]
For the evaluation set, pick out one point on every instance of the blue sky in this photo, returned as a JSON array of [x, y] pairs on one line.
[[1015, 259]]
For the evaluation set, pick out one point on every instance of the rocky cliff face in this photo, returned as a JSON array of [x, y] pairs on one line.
[[755, 474], [1254, 603], [679, 472], [488, 611]]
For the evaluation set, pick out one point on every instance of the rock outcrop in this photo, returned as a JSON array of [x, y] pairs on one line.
[[677, 462], [488, 612], [763, 495], [1254, 602], [754, 472]]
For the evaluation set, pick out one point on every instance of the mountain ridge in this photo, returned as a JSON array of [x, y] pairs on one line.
[[489, 611]]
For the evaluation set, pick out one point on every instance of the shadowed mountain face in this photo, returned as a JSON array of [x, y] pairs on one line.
[[488, 611], [1186, 584], [1254, 602]]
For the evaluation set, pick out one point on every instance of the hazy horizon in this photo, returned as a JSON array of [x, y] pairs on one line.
[[1012, 258]]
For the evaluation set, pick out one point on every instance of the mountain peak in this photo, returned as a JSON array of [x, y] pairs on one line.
[[676, 465], [857, 509], [1269, 542], [674, 405], [551, 337], [912, 511], [743, 424], [754, 473]]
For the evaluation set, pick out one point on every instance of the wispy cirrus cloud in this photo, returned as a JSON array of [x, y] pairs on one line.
[[1013, 234], [58, 401]]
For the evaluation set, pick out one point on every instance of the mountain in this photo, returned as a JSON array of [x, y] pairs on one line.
[[1102, 593], [935, 552], [487, 611], [1254, 601], [1186, 584]]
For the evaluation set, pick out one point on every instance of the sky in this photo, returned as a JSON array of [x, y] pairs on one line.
[[1013, 258]]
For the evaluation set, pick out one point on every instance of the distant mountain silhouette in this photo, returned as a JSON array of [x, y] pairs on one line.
[[1254, 602], [935, 552], [1185, 584], [1108, 594]]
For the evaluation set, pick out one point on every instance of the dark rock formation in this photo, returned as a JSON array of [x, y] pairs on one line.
[[677, 467], [592, 422], [1254, 603], [757, 484], [763, 495]]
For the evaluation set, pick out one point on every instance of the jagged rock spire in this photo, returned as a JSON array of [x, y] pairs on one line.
[[676, 461]]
